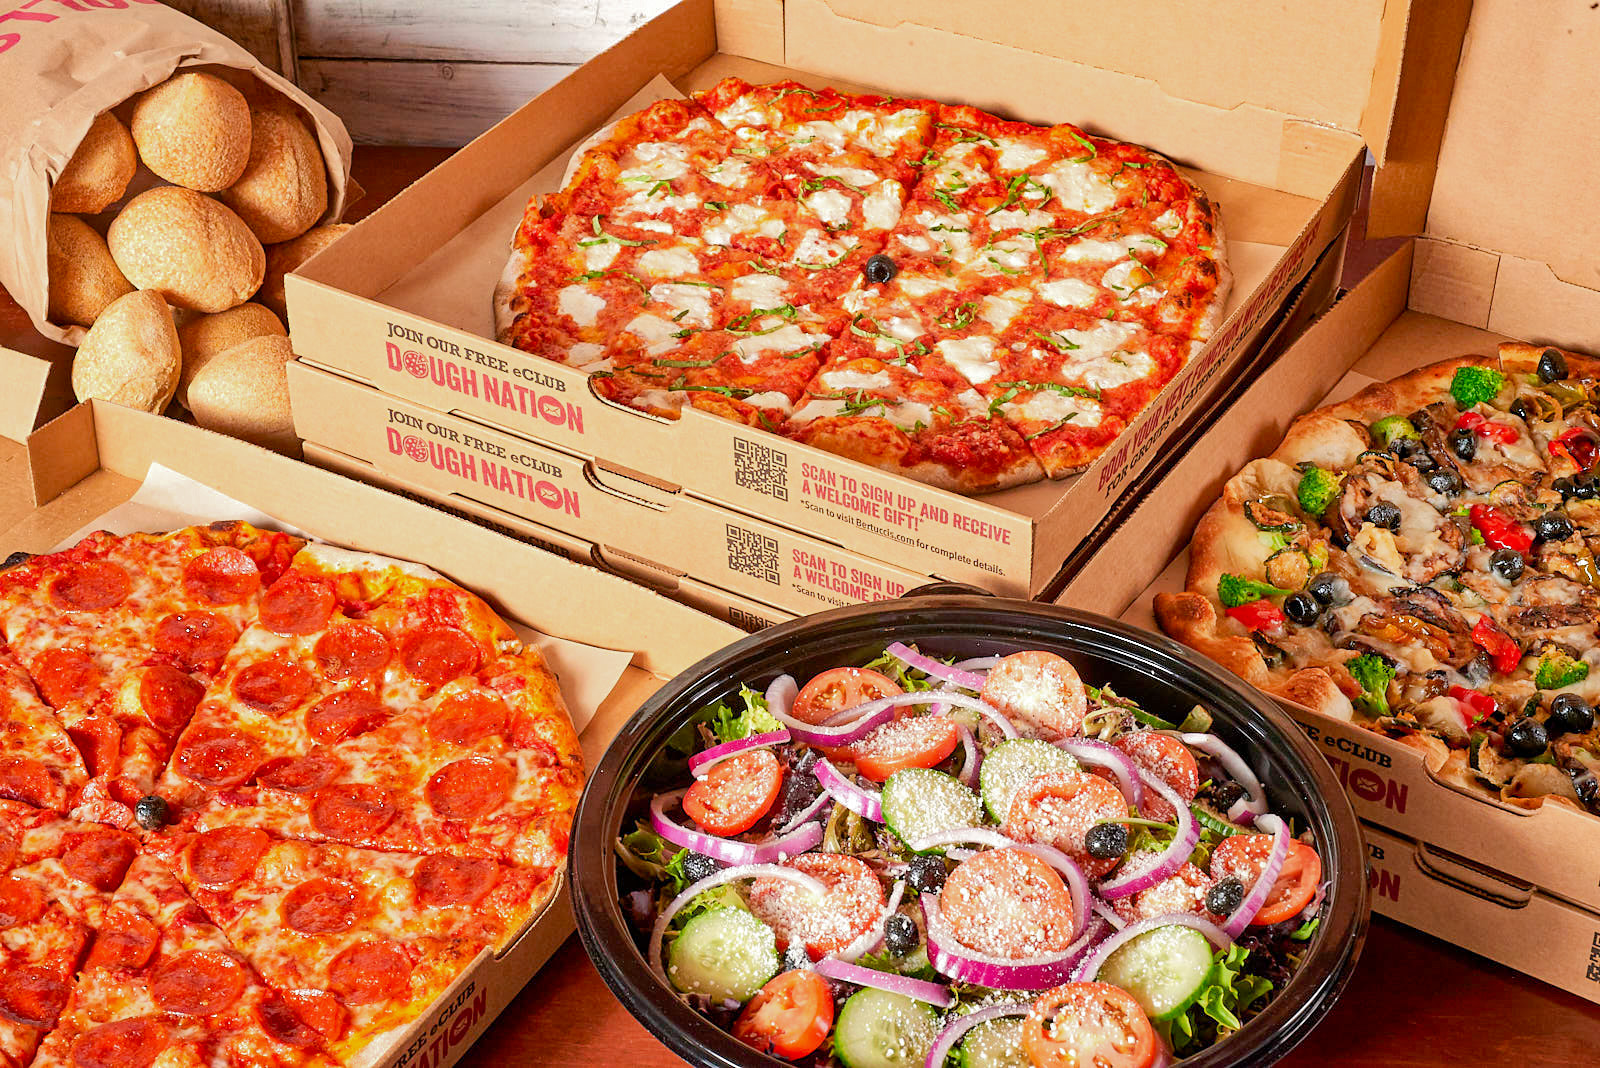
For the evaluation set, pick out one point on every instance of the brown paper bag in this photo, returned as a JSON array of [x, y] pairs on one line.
[[62, 62]]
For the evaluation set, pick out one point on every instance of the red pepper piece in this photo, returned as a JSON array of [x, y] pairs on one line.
[[1480, 706], [1579, 445], [1503, 650], [1499, 530], [1504, 433], [1258, 615]]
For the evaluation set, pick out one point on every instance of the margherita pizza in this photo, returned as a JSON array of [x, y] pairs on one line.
[[933, 290], [351, 776], [1420, 559]]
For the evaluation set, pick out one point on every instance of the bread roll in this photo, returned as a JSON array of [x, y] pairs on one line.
[[130, 354], [284, 189], [244, 392], [284, 258], [208, 335], [191, 249], [99, 171], [83, 276], [194, 130]]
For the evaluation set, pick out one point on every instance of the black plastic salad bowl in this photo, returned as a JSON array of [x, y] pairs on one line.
[[1145, 667]]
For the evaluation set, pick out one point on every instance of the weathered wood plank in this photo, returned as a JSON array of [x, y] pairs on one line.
[[505, 31], [264, 27]]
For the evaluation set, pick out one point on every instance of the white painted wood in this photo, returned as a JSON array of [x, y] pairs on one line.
[[420, 103], [506, 31]]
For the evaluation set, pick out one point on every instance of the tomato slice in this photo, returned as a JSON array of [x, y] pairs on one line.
[[852, 905], [1007, 903], [837, 689], [917, 742], [1184, 890], [1245, 856], [735, 793], [789, 1017], [1082, 1024], [1058, 808], [1168, 760], [1038, 690]]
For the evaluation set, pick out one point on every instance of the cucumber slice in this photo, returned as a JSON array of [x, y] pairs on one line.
[[1010, 765], [995, 1044], [877, 1029], [1163, 969], [920, 801], [723, 953]]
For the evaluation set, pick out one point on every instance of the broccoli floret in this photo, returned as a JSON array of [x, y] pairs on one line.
[[1235, 590], [1372, 674], [1557, 669], [1476, 385], [1318, 488], [1391, 428]]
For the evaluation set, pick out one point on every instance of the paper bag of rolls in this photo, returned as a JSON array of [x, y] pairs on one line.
[[157, 183]]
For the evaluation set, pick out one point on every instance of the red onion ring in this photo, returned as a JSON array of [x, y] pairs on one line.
[[929, 666], [831, 734], [1254, 803], [933, 993], [868, 804], [701, 762], [1104, 755], [727, 875], [920, 697], [972, 761], [726, 850], [1235, 924], [1109, 914], [958, 1027], [780, 695], [977, 663], [1091, 965], [1169, 860], [870, 939], [949, 957], [806, 814], [1071, 874]]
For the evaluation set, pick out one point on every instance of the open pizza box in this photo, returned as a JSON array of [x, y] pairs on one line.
[[1501, 258], [403, 302], [624, 640]]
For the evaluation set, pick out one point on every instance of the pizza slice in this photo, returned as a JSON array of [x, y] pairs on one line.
[[163, 984], [357, 941], [38, 762]]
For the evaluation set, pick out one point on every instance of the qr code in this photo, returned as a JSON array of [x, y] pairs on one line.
[[753, 553], [746, 620], [761, 468]]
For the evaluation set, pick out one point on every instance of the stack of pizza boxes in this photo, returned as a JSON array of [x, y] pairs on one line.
[[401, 382], [1502, 256]]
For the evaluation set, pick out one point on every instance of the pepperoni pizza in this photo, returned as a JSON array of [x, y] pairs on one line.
[[261, 801], [931, 289]]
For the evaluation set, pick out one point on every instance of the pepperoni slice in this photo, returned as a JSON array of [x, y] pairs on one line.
[[344, 715], [301, 774], [297, 605], [168, 698], [224, 575], [197, 641], [21, 901], [281, 1024], [438, 653], [197, 983], [91, 586], [99, 858], [469, 788], [369, 972], [321, 907], [65, 675], [351, 811], [445, 880], [8, 850], [352, 650], [272, 686], [218, 859], [134, 1043], [469, 717], [26, 779], [319, 1010], [219, 757], [32, 995], [125, 940]]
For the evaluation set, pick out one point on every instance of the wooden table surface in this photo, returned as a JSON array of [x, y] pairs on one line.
[[1413, 1001]]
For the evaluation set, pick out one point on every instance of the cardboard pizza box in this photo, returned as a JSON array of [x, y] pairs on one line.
[[403, 301], [1450, 292], [76, 467]]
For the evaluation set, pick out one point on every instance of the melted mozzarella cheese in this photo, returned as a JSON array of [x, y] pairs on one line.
[[790, 338], [646, 203], [815, 249], [742, 112], [915, 242], [855, 300], [1098, 340], [1131, 282], [1018, 155], [972, 356], [760, 290], [1115, 248], [738, 219], [656, 332], [581, 305], [1048, 406], [830, 205], [731, 174], [1012, 254], [1079, 187], [655, 226], [881, 135], [1069, 293], [1168, 224], [660, 262], [855, 176], [917, 286], [598, 257], [852, 380], [584, 353], [959, 164], [694, 302], [771, 399], [881, 208], [998, 311], [1019, 219], [1109, 371]]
